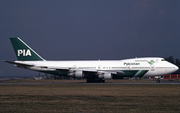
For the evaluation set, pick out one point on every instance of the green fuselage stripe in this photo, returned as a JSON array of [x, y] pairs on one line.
[[141, 73]]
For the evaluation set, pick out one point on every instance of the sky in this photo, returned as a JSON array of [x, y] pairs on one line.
[[89, 29]]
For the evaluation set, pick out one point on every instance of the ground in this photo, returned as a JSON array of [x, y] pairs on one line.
[[91, 98]]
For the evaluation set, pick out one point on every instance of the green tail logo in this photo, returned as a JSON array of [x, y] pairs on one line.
[[23, 51]]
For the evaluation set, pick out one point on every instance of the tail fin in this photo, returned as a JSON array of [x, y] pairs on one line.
[[23, 51]]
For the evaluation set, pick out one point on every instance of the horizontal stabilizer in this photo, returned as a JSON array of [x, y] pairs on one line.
[[16, 63]]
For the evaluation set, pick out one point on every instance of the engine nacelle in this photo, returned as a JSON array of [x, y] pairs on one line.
[[105, 76], [78, 74]]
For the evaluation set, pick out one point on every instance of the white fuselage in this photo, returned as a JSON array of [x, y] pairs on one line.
[[154, 65]]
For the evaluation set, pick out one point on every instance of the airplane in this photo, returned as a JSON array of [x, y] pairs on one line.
[[91, 70]]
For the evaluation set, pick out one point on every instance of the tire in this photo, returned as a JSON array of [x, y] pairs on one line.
[[158, 81], [103, 81]]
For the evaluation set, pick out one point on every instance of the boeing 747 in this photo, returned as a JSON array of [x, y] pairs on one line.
[[91, 70]]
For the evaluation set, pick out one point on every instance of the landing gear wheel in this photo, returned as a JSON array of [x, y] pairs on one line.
[[158, 81], [95, 81], [103, 81], [89, 81]]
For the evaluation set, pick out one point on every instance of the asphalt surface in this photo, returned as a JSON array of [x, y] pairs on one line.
[[83, 83]]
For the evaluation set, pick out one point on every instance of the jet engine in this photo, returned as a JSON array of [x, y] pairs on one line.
[[78, 74], [105, 76]]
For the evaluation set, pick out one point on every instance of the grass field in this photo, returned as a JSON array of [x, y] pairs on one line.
[[89, 98]]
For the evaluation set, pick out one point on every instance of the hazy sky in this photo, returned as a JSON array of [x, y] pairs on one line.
[[89, 29]]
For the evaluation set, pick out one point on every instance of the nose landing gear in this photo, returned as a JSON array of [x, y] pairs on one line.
[[158, 80]]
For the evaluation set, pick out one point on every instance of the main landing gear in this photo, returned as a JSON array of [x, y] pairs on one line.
[[95, 81]]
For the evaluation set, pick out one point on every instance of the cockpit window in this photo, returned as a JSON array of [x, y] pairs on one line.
[[163, 60]]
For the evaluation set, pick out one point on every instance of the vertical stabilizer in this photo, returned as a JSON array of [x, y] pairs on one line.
[[23, 51]]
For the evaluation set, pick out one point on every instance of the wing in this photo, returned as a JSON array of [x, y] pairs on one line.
[[88, 73], [72, 72]]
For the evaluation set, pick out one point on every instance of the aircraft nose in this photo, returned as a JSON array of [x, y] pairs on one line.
[[176, 68]]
